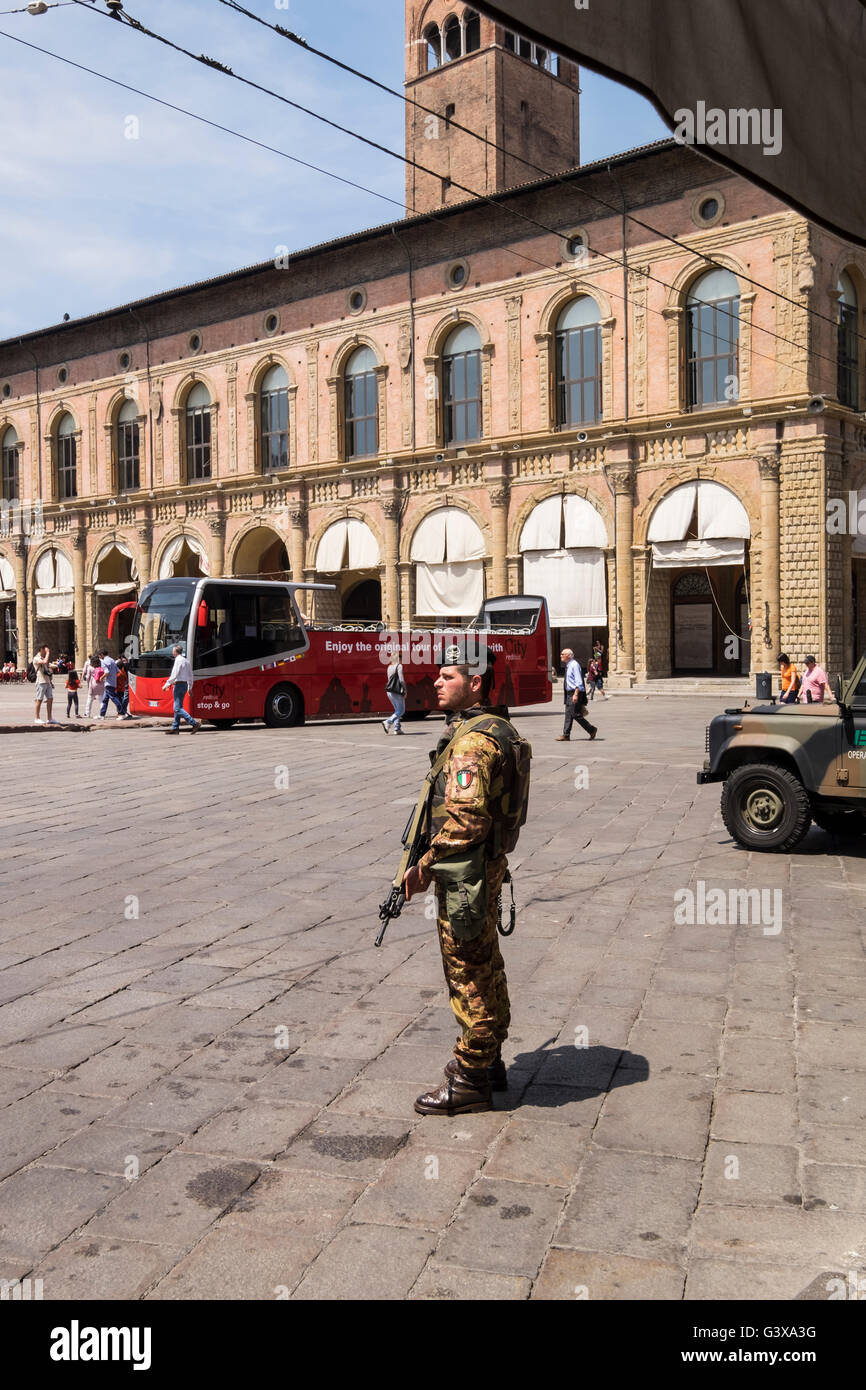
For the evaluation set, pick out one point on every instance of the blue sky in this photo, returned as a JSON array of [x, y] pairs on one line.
[[92, 218]]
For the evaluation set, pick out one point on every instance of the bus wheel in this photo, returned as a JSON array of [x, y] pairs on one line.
[[284, 707], [222, 723]]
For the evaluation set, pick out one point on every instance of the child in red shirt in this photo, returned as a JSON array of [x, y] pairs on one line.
[[72, 687]]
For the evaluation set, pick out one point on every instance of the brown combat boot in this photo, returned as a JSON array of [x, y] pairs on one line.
[[463, 1093], [496, 1073]]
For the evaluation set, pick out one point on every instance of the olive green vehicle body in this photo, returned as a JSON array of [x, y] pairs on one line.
[[822, 746]]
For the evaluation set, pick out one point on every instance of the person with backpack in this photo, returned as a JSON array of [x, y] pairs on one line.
[[72, 687], [395, 689], [479, 799], [41, 665]]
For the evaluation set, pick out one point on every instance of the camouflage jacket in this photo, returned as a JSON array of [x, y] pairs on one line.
[[466, 794]]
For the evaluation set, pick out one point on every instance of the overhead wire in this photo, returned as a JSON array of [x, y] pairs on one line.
[[218, 66]]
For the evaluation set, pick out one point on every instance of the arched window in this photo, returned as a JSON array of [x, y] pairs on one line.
[[198, 433], [274, 420], [362, 404], [461, 385], [128, 468], [433, 40], [472, 31], [713, 316], [453, 38], [848, 352], [578, 364], [67, 459], [11, 482]]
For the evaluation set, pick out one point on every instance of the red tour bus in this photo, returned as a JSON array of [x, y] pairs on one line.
[[254, 657]]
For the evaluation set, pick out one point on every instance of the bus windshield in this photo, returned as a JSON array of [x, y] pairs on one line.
[[161, 622]]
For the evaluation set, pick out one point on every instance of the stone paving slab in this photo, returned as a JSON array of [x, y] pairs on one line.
[[685, 1110]]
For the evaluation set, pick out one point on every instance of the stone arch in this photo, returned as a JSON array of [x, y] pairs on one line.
[[118, 400], [436, 504], [528, 505], [350, 346], [173, 535], [238, 557], [697, 266], [575, 289], [185, 385], [446, 325], [644, 514], [58, 410], [345, 514], [51, 543], [105, 544], [262, 366]]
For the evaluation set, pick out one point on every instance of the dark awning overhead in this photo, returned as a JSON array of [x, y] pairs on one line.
[[800, 63]]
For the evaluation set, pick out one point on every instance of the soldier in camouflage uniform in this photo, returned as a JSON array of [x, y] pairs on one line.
[[467, 802]]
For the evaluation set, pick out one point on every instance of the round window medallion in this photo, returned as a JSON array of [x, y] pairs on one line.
[[457, 275], [63, 375], [575, 246], [7, 390], [356, 300], [195, 341], [708, 209], [124, 361], [271, 323]]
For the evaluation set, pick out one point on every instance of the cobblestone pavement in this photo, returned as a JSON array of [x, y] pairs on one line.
[[207, 1071]]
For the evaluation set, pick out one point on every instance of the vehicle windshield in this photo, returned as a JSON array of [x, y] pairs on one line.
[[509, 614], [161, 622]]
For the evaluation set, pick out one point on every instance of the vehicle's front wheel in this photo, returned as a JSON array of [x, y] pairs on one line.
[[765, 807], [837, 822], [284, 707]]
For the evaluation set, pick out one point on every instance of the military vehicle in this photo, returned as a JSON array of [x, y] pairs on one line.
[[784, 766]]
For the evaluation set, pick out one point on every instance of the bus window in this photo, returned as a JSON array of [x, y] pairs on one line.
[[244, 626]]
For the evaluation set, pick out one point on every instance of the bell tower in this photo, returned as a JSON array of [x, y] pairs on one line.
[[468, 69]]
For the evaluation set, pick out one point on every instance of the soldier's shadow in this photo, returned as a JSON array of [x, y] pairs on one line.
[[551, 1077]]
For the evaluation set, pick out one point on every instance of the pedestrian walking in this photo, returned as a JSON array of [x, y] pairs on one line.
[[593, 679], [395, 689], [72, 687], [478, 803], [109, 667], [574, 692], [181, 680], [44, 686], [95, 677], [790, 678], [814, 683], [123, 687]]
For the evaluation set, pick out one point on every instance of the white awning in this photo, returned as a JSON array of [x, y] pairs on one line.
[[448, 534], [583, 525], [123, 588], [56, 604], [669, 555], [7, 576], [53, 572], [573, 517], [721, 515], [670, 520], [572, 581], [347, 544], [443, 590]]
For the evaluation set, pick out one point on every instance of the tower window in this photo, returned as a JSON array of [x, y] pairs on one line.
[[446, 188], [449, 114], [532, 52], [472, 31], [453, 39], [433, 40]]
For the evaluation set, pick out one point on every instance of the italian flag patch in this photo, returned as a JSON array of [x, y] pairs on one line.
[[464, 779]]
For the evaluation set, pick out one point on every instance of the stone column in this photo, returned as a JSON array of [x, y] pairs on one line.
[[298, 541], [145, 541], [622, 621], [391, 596], [769, 619], [20, 566], [499, 534], [79, 609], [217, 527]]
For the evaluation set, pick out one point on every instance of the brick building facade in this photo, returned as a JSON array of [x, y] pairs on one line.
[[524, 388]]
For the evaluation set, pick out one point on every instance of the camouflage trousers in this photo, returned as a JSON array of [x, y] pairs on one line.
[[475, 976]]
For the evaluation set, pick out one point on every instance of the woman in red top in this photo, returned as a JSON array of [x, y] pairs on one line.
[[72, 688]]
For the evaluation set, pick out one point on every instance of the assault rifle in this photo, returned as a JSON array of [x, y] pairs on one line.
[[415, 845]]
